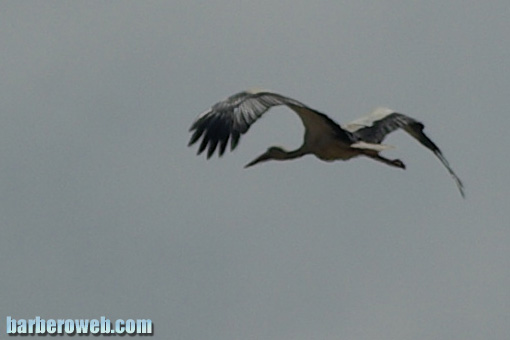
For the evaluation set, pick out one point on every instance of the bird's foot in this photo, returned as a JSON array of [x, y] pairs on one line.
[[398, 163]]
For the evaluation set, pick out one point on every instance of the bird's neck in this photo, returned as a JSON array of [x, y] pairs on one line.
[[294, 153]]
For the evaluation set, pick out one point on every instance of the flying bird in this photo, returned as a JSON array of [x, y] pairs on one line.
[[328, 141]]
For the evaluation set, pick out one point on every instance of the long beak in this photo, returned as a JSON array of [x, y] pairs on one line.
[[264, 157]]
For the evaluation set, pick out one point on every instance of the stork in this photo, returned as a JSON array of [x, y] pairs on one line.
[[328, 141]]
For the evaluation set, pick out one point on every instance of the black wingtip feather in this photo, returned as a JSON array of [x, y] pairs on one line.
[[222, 134], [235, 140], [223, 145], [196, 135], [212, 148], [203, 145]]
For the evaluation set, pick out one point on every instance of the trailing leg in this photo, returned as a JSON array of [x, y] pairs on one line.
[[392, 162]]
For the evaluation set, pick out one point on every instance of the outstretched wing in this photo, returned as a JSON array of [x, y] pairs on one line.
[[233, 116], [382, 121]]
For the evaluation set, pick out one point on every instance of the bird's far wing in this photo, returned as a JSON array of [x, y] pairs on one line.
[[233, 116], [382, 121], [374, 127]]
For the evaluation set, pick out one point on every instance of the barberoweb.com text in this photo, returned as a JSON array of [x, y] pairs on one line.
[[77, 326]]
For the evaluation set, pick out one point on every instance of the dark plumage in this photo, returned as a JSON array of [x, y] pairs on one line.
[[233, 116]]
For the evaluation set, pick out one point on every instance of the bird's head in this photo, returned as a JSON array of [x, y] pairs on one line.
[[273, 152]]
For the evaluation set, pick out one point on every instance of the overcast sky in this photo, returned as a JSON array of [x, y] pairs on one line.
[[104, 210]]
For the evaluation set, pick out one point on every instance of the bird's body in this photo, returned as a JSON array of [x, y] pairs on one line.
[[324, 138]]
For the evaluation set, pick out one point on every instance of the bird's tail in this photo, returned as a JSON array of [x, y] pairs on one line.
[[371, 147]]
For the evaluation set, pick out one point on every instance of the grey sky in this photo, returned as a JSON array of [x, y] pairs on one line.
[[105, 211]]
